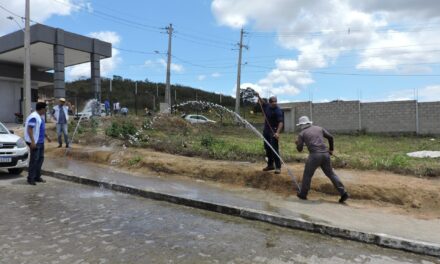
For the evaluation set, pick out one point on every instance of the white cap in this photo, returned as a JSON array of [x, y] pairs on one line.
[[304, 120]]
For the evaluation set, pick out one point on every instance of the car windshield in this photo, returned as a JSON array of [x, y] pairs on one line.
[[3, 129]]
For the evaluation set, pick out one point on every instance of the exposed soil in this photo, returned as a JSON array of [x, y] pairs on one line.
[[390, 192]]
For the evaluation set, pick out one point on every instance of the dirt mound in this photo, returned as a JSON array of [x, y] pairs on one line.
[[408, 194], [171, 123]]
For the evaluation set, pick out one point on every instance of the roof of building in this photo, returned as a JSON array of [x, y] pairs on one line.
[[77, 48]]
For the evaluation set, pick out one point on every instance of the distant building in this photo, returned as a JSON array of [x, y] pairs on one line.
[[52, 49]]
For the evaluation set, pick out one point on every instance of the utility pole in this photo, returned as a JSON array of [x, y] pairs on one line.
[[135, 98], [27, 65], [111, 97], [168, 88], [237, 94]]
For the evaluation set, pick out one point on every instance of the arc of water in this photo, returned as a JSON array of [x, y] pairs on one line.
[[247, 124], [88, 105]]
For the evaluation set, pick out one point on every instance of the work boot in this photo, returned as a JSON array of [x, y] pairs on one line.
[[31, 182], [344, 197], [59, 146], [268, 168], [301, 197], [277, 171]]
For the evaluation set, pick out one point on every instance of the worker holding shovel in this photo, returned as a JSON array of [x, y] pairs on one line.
[[319, 156], [273, 124]]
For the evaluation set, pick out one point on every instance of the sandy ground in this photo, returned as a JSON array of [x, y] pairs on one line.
[[385, 191]]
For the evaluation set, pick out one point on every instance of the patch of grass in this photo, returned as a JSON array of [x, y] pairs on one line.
[[135, 160]]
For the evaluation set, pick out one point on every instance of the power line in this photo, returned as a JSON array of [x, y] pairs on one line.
[[202, 66], [205, 39], [10, 12], [113, 18], [348, 30], [139, 51], [202, 43], [348, 74]]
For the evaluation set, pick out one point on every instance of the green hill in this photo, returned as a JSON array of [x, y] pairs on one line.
[[149, 94]]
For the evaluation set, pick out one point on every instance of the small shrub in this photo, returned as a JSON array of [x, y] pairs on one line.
[[207, 141], [94, 125], [135, 160], [122, 130]]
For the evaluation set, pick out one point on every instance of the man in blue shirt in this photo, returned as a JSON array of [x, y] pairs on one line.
[[34, 134], [107, 107], [273, 124]]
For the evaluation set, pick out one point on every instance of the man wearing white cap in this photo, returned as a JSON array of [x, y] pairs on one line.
[[61, 117], [319, 156]]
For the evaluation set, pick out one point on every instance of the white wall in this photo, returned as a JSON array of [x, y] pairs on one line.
[[10, 100]]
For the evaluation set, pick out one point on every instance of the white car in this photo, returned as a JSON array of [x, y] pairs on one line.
[[87, 115], [14, 153], [198, 119]]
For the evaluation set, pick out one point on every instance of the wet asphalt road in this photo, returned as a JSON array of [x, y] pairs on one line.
[[62, 222]]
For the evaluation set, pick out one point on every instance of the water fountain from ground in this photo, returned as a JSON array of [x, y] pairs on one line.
[[92, 106], [242, 121]]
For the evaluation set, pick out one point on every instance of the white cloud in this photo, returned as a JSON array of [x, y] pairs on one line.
[[201, 77], [41, 10], [107, 65], [215, 75], [428, 93], [322, 30], [174, 66]]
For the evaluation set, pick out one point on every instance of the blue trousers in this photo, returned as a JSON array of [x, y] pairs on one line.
[[62, 129], [35, 163]]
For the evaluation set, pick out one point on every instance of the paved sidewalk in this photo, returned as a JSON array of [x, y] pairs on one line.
[[395, 231]]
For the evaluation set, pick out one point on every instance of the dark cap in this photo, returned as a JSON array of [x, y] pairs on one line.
[[40, 105]]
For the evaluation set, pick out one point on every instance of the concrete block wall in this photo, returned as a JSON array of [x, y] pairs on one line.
[[429, 118], [378, 117], [292, 111], [340, 116], [389, 117]]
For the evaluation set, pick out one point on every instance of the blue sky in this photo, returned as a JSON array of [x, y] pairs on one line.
[[298, 49]]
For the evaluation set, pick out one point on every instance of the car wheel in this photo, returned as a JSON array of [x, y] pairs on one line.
[[15, 171]]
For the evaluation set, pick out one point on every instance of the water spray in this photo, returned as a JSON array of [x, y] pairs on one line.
[[91, 104], [248, 125]]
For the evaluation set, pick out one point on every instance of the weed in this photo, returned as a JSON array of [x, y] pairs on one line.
[[135, 160]]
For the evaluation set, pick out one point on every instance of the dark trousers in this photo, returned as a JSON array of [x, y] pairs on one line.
[[35, 162], [271, 157], [314, 161]]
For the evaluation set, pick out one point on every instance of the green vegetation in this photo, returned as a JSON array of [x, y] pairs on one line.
[[121, 128], [135, 160], [365, 152], [228, 141]]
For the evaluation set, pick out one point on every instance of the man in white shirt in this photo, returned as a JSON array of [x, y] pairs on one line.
[[60, 114], [34, 135]]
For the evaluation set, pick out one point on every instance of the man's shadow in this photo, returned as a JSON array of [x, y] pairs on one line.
[[16, 178]]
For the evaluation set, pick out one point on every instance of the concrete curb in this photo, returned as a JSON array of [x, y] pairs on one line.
[[382, 240]]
